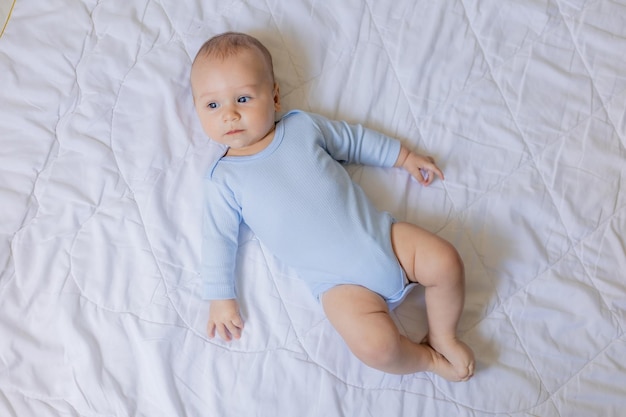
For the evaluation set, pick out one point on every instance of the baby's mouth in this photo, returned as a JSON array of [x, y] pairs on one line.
[[234, 131]]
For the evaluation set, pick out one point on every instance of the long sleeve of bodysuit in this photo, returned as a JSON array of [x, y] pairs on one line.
[[220, 233], [357, 144]]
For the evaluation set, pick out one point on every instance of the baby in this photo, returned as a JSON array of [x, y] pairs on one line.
[[286, 181]]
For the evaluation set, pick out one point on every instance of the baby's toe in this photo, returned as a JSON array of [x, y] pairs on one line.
[[467, 372]]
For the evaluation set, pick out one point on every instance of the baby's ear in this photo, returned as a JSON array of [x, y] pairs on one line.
[[276, 97]]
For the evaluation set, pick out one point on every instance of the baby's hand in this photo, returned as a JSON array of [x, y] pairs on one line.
[[422, 168], [224, 318]]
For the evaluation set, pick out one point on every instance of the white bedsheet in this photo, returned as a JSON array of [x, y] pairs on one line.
[[521, 102]]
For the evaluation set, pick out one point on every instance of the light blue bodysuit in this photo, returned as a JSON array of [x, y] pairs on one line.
[[303, 206]]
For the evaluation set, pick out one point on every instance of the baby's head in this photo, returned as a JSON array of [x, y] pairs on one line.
[[229, 44], [234, 92]]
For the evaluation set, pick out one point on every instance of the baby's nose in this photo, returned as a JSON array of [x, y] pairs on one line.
[[230, 114]]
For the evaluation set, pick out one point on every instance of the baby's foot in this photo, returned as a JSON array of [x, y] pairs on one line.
[[441, 366], [458, 355]]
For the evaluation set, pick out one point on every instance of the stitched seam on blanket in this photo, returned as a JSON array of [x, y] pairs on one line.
[[571, 240], [6, 22], [567, 23], [533, 155], [613, 312], [543, 385]]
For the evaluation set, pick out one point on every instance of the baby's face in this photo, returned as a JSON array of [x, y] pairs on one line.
[[236, 100]]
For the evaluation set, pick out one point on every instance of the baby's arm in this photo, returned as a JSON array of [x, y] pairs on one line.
[[353, 143], [357, 144], [219, 248], [224, 318], [422, 168]]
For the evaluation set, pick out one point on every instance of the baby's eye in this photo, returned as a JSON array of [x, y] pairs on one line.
[[243, 99], [212, 105]]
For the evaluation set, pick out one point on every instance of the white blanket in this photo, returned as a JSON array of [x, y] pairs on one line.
[[522, 103]]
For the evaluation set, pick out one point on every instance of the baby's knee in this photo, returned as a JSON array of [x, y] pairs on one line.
[[454, 261], [449, 265], [378, 353]]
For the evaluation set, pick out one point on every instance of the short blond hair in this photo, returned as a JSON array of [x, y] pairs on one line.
[[229, 44]]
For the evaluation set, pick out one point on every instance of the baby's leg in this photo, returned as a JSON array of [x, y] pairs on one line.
[[362, 318], [435, 264]]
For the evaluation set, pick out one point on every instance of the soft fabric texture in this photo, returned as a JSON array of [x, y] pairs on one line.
[[304, 207], [522, 103]]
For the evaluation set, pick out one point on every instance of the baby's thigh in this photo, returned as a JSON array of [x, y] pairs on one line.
[[360, 316], [421, 253]]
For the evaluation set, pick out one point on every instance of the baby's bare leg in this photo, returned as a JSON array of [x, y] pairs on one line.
[[362, 318], [435, 264]]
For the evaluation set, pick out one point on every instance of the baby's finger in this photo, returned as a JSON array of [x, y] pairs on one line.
[[434, 169], [222, 330], [237, 322], [210, 330], [235, 327], [438, 172], [427, 178]]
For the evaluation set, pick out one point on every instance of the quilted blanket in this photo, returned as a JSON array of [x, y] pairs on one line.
[[521, 102]]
